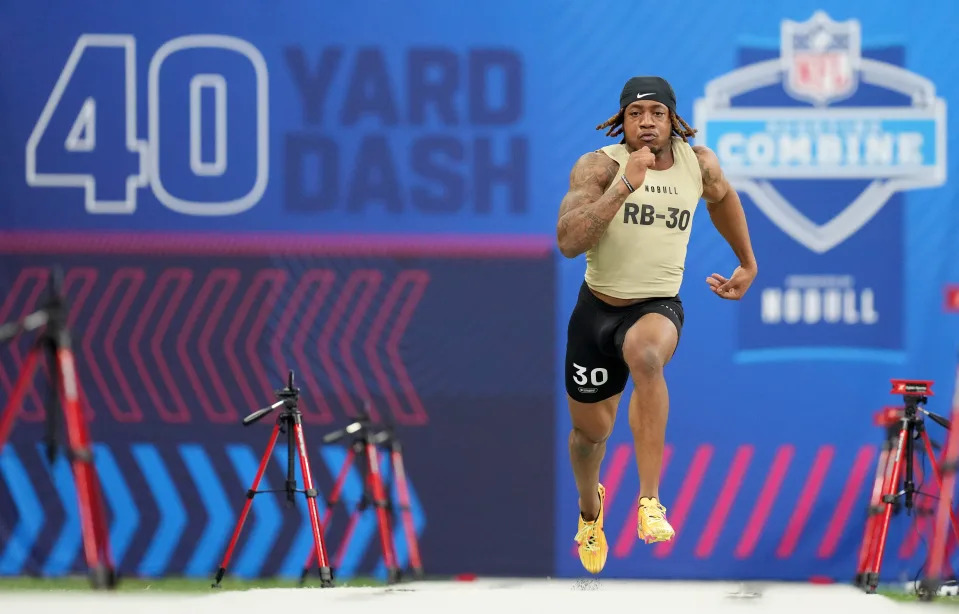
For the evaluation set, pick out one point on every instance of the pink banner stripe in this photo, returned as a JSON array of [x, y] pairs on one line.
[[860, 469], [686, 497], [263, 243], [807, 497], [724, 503], [767, 497]]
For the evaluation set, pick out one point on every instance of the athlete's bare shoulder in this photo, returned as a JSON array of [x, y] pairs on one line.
[[714, 183], [594, 167], [591, 175]]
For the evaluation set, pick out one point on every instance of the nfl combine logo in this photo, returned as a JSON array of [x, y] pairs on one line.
[[820, 137]]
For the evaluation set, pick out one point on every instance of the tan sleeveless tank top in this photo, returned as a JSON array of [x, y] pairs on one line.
[[643, 252]]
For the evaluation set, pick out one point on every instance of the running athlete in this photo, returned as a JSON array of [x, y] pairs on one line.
[[630, 209]]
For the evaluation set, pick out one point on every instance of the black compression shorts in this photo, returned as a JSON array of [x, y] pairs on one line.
[[595, 369]]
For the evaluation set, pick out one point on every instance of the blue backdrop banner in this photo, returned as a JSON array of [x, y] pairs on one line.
[[379, 182]]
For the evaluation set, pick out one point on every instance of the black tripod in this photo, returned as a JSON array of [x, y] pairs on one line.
[[64, 405], [290, 422]]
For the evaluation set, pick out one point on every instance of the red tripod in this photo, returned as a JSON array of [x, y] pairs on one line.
[[895, 464], [890, 418], [290, 422], [938, 549], [54, 341], [375, 491], [388, 438]]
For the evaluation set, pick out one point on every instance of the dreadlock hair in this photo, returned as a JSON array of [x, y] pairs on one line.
[[680, 127]]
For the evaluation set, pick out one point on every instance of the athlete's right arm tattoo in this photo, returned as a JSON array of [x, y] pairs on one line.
[[590, 204]]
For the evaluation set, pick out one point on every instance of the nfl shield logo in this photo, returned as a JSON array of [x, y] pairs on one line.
[[820, 58], [820, 155]]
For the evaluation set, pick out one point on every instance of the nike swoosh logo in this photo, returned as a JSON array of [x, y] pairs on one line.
[[644, 95]]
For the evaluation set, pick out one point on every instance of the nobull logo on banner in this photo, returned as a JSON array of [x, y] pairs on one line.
[[821, 137]]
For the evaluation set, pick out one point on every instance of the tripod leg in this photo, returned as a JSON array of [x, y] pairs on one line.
[[889, 498], [338, 486], [19, 391], [940, 533], [106, 575], [326, 577], [938, 475], [358, 510], [887, 487], [406, 512], [877, 513], [54, 414], [70, 393], [290, 465], [348, 533], [380, 503], [909, 483], [328, 514], [93, 520], [940, 547], [873, 511], [264, 461]]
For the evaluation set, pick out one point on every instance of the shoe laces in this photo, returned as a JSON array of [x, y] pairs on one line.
[[654, 510], [587, 533]]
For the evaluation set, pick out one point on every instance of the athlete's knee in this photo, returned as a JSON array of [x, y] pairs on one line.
[[593, 435], [644, 359], [585, 441]]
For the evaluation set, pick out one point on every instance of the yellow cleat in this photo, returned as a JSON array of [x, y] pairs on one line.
[[652, 525], [592, 540]]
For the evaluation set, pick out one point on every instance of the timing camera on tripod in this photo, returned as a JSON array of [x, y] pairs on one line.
[[54, 344], [895, 471]]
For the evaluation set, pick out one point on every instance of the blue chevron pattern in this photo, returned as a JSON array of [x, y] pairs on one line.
[[263, 523], [172, 514], [19, 543], [67, 545], [220, 516], [173, 508], [119, 500]]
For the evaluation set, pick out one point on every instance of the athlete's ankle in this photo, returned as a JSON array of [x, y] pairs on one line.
[[591, 514]]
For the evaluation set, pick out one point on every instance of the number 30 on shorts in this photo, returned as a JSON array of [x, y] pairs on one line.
[[597, 376]]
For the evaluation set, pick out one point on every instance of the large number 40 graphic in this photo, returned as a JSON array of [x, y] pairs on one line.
[[101, 152]]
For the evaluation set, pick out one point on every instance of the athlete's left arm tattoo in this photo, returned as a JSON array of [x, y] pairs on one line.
[[725, 207]]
